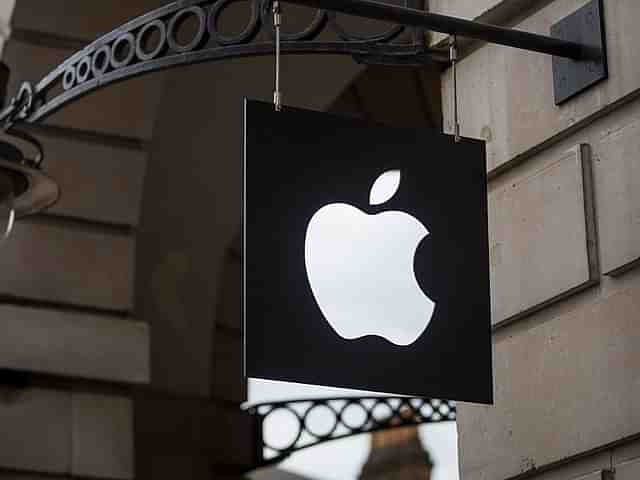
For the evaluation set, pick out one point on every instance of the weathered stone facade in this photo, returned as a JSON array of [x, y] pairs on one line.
[[72, 350], [564, 226]]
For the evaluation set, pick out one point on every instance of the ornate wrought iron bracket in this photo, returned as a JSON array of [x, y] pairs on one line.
[[348, 416], [152, 42]]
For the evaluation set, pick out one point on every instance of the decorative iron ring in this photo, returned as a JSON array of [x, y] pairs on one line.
[[162, 31], [173, 23], [246, 35], [357, 404], [83, 69], [69, 77], [388, 419], [124, 61], [317, 24], [301, 428], [97, 69], [387, 36], [336, 421]]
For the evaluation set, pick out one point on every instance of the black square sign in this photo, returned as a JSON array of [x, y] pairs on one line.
[[366, 260]]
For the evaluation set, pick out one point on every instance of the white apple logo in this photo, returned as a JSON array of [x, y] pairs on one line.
[[360, 268]]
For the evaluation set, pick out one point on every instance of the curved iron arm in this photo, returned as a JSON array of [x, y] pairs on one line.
[[377, 413], [125, 52]]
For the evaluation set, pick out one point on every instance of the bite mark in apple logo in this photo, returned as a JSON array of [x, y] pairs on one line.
[[361, 268]]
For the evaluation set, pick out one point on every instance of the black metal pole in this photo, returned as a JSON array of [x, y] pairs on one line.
[[457, 26]]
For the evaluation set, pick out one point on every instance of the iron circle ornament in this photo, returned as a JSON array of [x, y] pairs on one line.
[[403, 412], [354, 404], [426, 410], [83, 69], [342, 33], [144, 36], [128, 42], [382, 419], [296, 438], [314, 28], [175, 22], [444, 410], [245, 35], [69, 78], [100, 61], [310, 430]]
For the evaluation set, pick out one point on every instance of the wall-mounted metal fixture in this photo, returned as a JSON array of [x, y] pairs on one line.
[[585, 26], [24, 188], [122, 54], [577, 44]]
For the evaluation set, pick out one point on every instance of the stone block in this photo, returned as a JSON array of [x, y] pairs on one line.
[[618, 195], [506, 94], [463, 8], [72, 344], [626, 453], [103, 443], [36, 430], [126, 109], [540, 235], [468, 9], [55, 263], [97, 181], [628, 470], [588, 468], [77, 19], [182, 427], [554, 376], [614, 149]]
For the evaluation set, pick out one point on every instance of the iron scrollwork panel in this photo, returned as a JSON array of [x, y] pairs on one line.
[[152, 42], [344, 417]]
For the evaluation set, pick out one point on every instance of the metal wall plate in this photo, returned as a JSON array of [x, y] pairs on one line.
[[571, 77]]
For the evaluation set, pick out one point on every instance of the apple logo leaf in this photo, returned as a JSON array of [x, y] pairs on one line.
[[385, 187]]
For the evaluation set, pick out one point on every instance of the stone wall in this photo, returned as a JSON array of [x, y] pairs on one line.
[[71, 349], [565, 246]]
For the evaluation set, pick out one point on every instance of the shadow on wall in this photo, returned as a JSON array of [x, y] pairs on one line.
[[227, 377]]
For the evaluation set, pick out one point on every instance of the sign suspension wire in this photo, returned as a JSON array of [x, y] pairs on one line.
[[453, 57], [11, 219], [277, 20]]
